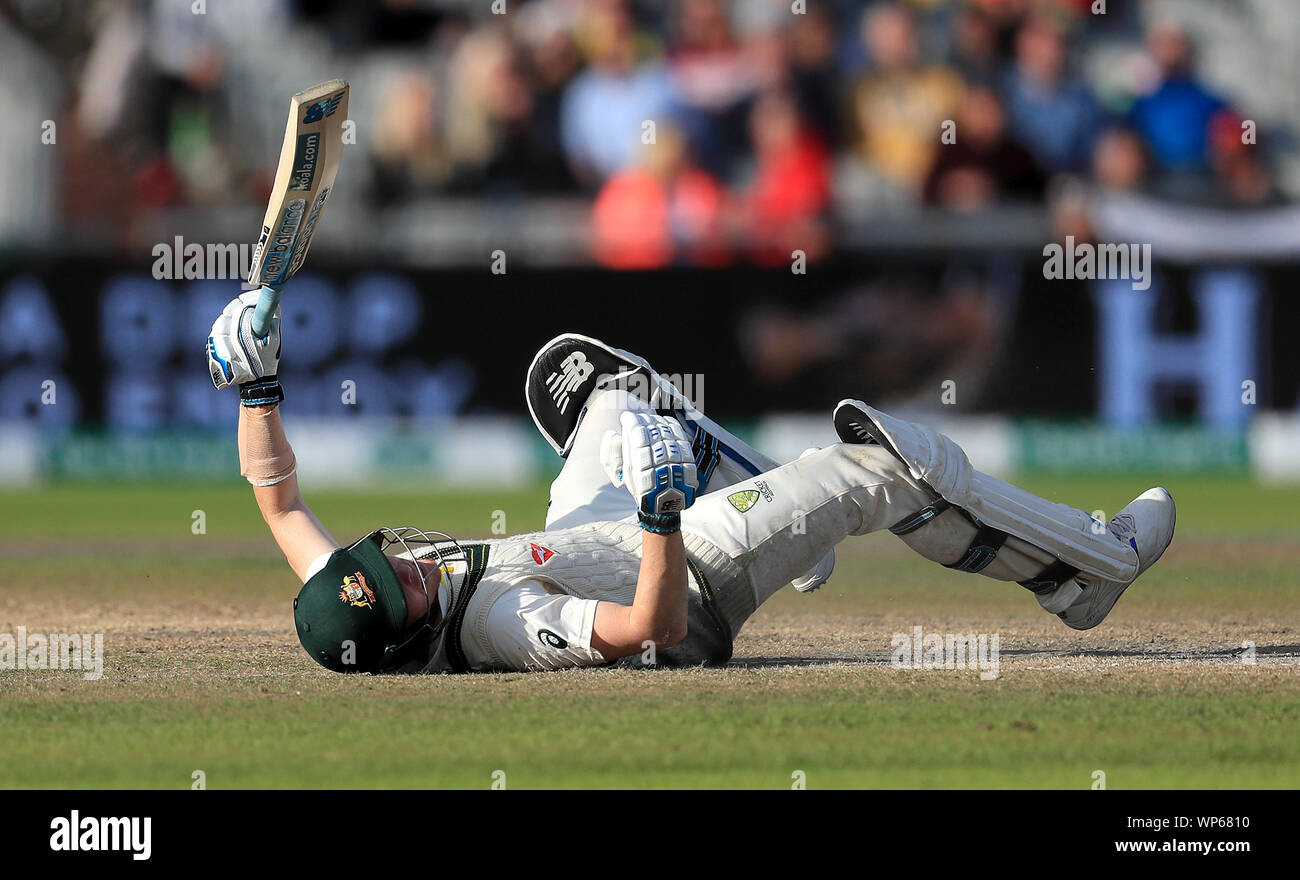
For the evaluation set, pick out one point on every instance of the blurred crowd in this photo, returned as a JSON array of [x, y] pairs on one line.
[[701, 131]]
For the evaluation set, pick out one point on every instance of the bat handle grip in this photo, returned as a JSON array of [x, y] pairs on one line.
[[266, 306]]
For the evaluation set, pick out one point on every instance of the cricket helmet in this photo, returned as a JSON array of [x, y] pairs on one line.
[[351, 615]]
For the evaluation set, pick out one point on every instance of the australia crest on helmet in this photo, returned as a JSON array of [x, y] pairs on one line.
[[356, 592]]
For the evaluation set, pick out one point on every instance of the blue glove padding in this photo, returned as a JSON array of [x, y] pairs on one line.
[[658, 463]]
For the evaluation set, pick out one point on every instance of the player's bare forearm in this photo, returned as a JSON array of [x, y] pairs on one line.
[[239, 356], [276, 498], [267, 460], [660, 603], [653, 458], [657, 613]]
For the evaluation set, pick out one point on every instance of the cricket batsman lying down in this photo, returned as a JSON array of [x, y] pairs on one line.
[[664, 533]]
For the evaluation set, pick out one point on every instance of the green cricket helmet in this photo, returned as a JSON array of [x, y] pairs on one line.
[[351, 615]]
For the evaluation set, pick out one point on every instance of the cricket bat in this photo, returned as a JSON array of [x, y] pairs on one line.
[[309, 161]]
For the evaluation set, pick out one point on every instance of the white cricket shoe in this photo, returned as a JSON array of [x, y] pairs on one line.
[[816, 576], [1146, 525]]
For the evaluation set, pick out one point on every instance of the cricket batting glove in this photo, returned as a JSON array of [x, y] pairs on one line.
[[653, 458], [237, 356]]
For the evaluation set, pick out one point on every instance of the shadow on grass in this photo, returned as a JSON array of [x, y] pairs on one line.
[[1284, 651]]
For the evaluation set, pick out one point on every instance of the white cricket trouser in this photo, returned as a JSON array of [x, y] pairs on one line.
[[802, 511]]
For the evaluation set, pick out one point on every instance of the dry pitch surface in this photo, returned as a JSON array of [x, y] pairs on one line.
[[203, 672]]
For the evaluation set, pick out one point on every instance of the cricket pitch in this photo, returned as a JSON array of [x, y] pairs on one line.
[[1194, 680]]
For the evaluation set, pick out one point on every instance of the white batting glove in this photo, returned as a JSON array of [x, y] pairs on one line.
[[654, 460], [236, 356]]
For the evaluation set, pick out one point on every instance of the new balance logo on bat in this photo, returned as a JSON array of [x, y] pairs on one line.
[[322, 109]]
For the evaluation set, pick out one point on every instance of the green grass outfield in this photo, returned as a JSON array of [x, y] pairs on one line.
[[203, 671]]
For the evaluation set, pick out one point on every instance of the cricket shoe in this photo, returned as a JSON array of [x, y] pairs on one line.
[[816, 576], [852, 424], [1146, 525]]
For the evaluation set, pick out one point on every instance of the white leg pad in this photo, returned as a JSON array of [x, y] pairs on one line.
[[1066, 532]]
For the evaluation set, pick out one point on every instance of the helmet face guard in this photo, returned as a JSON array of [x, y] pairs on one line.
[[417, 545]]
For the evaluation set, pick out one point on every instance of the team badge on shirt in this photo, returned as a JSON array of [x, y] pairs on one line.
[[541, 554], [356, 592]]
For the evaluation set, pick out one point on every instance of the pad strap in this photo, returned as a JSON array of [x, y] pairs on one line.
[[909, 524], [1050, 578], [983, 547]]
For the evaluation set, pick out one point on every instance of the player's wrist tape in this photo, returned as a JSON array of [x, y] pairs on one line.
[[660, 523], [261, 392], [265, 457]]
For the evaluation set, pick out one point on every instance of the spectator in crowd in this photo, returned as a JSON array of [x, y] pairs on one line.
[[1120, 166], [1175, 118], [604, 109], [713, 77], [491, 137], [658, 211], [1006, 17], [813, 74], [900, 106], [551, 60], [562, 97], [1242, 178], [408, 159], [1119, 161], [983, 165], [974, 53], [791, 188], [1049, 110]]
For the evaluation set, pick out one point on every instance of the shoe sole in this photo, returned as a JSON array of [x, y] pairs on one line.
[[848, 428]]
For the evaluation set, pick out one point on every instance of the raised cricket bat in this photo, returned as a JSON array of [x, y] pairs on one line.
[[309, 161]]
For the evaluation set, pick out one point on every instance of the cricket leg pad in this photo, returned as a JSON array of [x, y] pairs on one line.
[[996, 508]]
